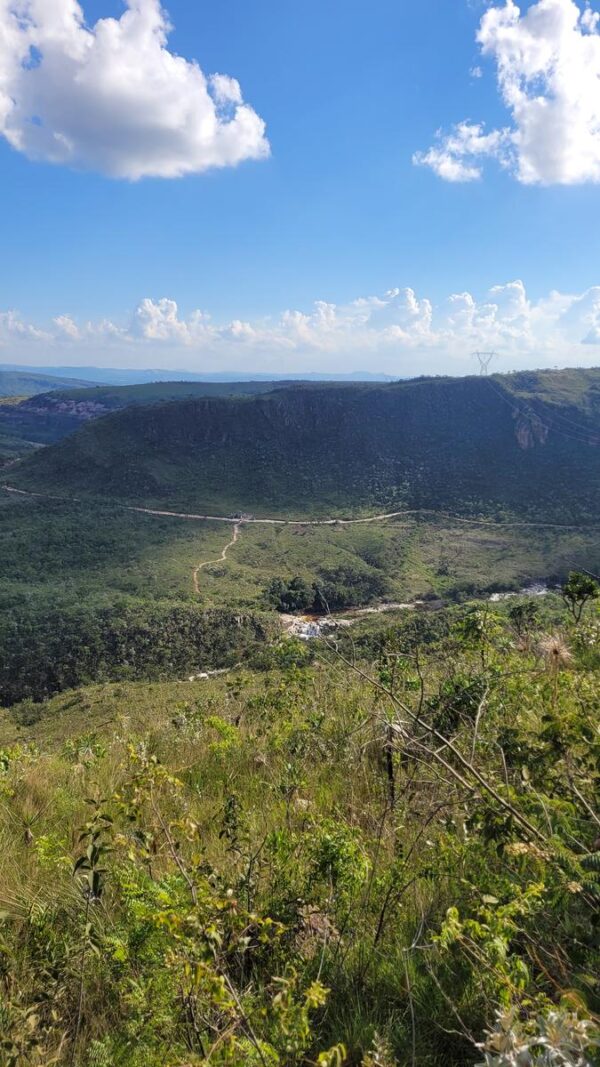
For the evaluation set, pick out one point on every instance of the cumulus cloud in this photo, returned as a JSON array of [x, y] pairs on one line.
[[458, 156], [584, 314], [547, 62], [13, 328], [159, 321], [400, 331], [67, 327], [113, 98]]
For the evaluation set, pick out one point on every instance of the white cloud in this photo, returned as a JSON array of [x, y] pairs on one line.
[[457, 156], [113, 98], [67, 326], [12, 328], [547, 63], [399, 331], [160, 322], [584, 314]]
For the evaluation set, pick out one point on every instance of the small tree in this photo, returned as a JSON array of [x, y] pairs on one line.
[[524, 617], [289, 596], [577, 591]]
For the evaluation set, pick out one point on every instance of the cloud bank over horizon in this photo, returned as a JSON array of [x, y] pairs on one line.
[[112, 98], [547, 62], [400, 333]]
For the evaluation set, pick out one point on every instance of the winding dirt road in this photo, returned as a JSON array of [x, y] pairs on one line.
[[250, 520]]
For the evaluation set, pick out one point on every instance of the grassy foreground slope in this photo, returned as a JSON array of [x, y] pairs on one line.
[[523, 444], [311, 864]]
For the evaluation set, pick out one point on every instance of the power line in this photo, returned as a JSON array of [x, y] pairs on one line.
[[581, 435]]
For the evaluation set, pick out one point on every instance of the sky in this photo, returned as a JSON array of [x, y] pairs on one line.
[[256, 185]]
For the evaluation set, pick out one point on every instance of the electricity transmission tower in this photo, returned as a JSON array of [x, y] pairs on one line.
[[485, 358]]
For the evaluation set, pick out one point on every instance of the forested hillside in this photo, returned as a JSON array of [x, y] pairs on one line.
[[49, 416], [526, 444]]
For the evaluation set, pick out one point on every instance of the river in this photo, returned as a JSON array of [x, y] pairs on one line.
[[309, 627]]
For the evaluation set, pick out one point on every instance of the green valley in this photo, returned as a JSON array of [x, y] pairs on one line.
[[225, 845], [80, 554]]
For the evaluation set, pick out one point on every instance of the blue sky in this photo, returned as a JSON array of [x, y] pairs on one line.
[[337, 213]]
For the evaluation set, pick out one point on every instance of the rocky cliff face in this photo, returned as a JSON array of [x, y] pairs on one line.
[[530, 431], [81, 410]]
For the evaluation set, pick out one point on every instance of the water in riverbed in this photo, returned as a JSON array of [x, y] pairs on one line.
[[309, 627]]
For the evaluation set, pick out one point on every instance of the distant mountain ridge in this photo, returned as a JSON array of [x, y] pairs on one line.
[[132, 376], [21, 382], [524, 444]]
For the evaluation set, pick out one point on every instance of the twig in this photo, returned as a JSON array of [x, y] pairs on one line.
[[465, 1032], [81, 980], [588, 808], [174, 850], [477, 721], [412, 1011], [446, 743]]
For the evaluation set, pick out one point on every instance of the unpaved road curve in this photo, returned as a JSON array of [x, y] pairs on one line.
[[384, 517], [221, 559], [251, 521]]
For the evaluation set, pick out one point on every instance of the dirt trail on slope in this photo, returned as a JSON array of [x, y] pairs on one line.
[[221, 559]]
